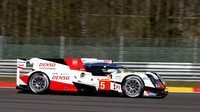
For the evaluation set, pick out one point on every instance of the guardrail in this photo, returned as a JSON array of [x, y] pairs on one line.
[[8, 68], [169, 71]]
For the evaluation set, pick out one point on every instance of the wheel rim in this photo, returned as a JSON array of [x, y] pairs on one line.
[[38, 83], [133, 87]]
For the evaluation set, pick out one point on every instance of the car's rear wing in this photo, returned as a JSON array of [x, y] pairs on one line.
[[21, 65]]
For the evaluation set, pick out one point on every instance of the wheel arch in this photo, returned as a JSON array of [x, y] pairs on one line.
[[130, 76], [35, 73]]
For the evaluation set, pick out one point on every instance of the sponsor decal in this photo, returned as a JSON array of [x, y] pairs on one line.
[[60, 77], [152, 94], [47, 66], [75, 62], [146, 78], [21, 64], [117, 77], [64, 74], [118, 87]]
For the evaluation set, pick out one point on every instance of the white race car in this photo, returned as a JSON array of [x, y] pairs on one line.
[[87, 74]]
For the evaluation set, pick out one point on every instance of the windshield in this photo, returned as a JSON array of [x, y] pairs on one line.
[[117, 70]]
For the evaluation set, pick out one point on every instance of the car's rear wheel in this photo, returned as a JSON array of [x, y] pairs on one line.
[[133, 86], [38, 83]]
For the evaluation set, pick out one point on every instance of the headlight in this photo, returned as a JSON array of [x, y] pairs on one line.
[[160, 78], [156, 79]]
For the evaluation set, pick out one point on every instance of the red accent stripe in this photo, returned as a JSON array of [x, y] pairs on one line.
[[24, 78], [7, 84], [59, 86], [161, 85], [149, 92], [20, 67]]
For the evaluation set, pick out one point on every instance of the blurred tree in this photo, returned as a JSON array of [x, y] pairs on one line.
[[3, 17], [99, 18], [29, 16]]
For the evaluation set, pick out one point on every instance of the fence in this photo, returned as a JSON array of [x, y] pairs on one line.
[[169, 71], [123, 49]]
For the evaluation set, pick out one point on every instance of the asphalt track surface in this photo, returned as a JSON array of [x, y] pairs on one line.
[[11, 100]]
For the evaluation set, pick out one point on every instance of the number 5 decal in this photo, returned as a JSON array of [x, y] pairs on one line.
[[104, 84]]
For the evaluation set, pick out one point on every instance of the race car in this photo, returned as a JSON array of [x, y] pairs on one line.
[[87, 74]]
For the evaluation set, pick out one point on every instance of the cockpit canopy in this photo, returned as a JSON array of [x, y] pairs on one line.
[[103, 69]]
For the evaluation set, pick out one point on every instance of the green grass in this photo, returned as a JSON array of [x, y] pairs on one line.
[[7, 79], [168, 83]]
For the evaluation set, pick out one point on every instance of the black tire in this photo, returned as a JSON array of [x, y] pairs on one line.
[[133, 86], [38, 83]]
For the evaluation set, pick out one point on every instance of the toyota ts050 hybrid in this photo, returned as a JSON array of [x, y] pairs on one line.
[[87, 74]]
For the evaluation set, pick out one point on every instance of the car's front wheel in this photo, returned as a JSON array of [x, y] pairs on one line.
[[38, 83], [133, 86]]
